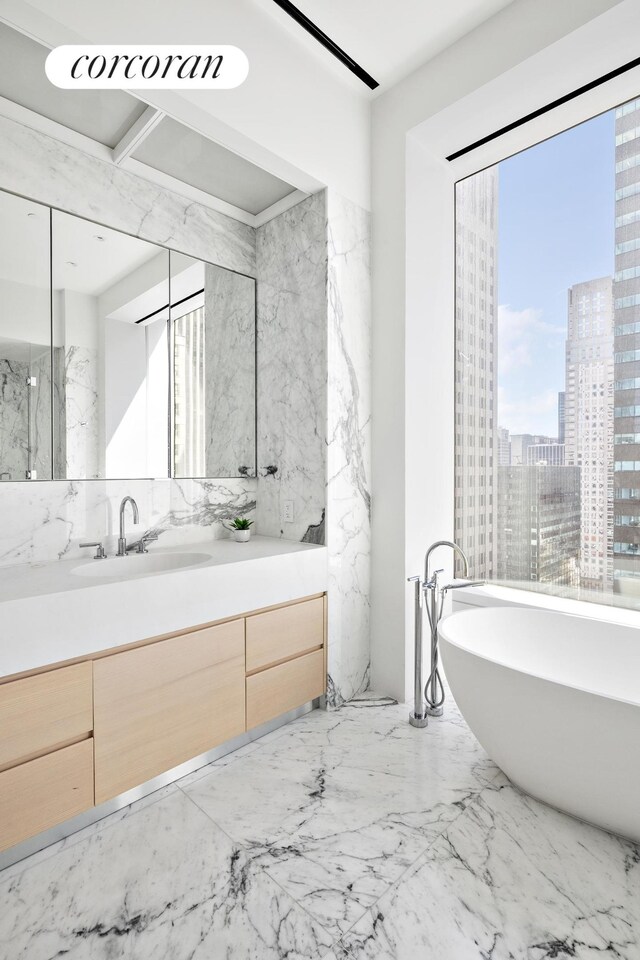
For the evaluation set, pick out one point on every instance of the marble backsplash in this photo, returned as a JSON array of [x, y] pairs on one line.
[[47, 521]]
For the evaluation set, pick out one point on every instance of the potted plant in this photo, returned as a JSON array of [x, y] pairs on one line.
[[240, 529]]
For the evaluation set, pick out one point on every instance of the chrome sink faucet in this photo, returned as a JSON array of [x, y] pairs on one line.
[[122, 540]]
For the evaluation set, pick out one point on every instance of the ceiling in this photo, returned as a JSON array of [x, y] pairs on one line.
[[390, 40], [176, 150], [105, 117]]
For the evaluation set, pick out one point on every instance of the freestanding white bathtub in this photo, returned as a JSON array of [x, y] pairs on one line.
[[554, 699]]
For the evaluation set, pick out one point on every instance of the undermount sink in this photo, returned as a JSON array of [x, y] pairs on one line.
[[138, 564]]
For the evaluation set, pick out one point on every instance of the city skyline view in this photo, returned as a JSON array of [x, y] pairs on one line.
[[547, 443], [549, 239]]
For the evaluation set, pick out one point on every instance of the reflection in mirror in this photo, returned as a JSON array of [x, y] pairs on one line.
[[110, 334], [214, 371], [25, 340]]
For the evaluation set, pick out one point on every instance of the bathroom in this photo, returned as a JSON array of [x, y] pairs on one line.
[[232, 394]]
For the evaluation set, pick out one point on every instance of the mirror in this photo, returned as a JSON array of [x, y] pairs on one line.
[[214, 370], [25, 340], [119, 359], [110, 339]]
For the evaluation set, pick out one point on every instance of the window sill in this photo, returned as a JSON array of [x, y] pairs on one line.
[[496, 596]]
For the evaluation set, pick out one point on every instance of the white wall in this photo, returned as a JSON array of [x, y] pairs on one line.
[[413, 276], [299, 114]]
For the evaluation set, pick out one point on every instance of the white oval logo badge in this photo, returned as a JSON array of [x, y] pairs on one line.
[[146, 67]]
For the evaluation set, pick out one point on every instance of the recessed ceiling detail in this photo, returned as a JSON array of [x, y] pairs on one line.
[[119, 127], [327, 43], [186, 155], [102, 115]]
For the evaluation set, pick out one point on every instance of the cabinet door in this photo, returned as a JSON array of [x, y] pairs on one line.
[[41, 713], [160, 705], [281, 688], [284, 633], [40, 794]]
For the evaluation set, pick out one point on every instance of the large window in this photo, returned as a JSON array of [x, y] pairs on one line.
[[547, 384]]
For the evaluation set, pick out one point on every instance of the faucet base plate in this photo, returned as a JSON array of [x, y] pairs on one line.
[[419, 722], [434, 711]]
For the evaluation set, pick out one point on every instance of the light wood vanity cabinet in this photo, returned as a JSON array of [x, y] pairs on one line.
[[274, 691], [46, 751], [79, 735], [283, 633], [43, 793], [285, 659], [43, 712], [162, 704]]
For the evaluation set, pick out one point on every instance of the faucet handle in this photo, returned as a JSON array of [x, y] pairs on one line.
[[100, 551], [143, 541]]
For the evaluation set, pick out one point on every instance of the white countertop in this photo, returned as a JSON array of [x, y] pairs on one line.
[[49, 614]]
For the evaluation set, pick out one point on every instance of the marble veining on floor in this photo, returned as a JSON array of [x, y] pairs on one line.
[[346, 835]]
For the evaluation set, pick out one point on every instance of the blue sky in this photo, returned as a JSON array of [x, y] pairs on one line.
[[555, 228]]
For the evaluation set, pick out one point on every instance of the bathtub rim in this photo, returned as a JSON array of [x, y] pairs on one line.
[[508, 666]]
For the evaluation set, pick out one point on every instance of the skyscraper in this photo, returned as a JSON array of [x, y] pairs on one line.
[[538, 532], [546, 454], [561, 416], [626, 545], [476, 446], [588, 422], [504, 447]]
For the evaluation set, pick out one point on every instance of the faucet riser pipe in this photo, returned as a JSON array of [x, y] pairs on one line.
[[418, 717]]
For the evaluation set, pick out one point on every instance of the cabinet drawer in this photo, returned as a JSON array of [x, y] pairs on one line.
[[284, 633], [284, 687], [42, 793], [160, 705], [40, 713]]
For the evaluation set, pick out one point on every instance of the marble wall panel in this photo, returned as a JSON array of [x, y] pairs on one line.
[[314, 357], [230, 373], [292, 372], [348, 523]]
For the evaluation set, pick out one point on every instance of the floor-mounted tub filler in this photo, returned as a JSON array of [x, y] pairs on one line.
[[430, 592], [554, 699]]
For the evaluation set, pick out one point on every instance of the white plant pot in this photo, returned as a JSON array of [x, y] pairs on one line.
[[241, 536]]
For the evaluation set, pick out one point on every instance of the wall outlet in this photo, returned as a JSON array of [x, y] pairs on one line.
[[287, 511]]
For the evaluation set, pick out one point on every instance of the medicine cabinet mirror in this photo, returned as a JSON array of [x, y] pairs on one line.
[[119, 358]]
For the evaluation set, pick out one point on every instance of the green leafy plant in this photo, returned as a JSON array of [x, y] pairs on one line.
[[241, 523]]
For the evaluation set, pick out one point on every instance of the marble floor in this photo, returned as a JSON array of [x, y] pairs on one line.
[[346, 835]]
